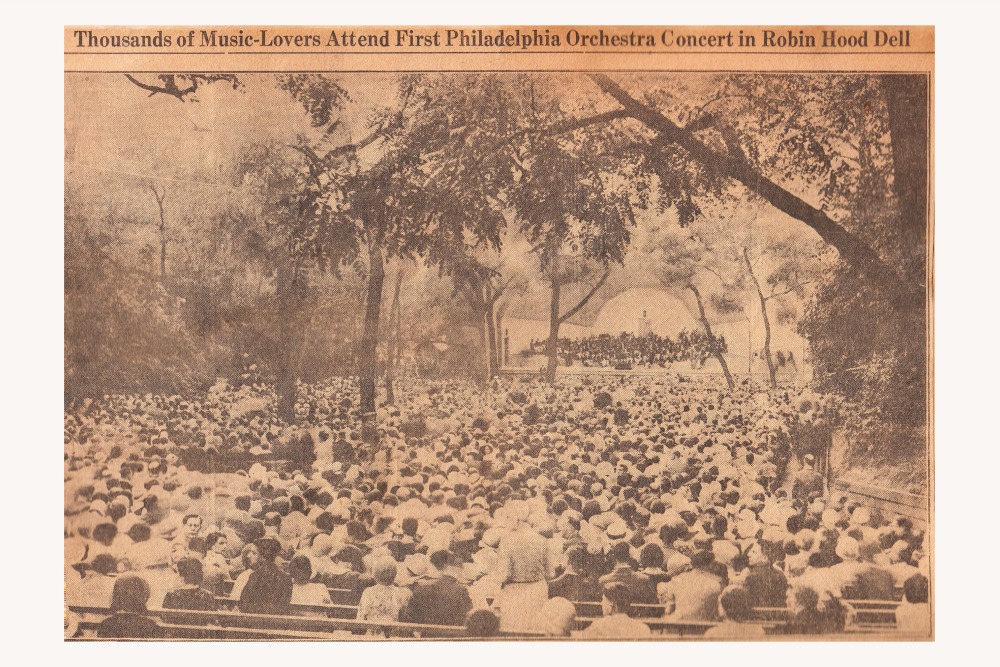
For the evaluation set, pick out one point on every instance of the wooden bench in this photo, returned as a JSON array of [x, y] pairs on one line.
[[214, 633], [870, 615], [210, 623], [589, 608], [337, 595], [660, 626], [340, 611]]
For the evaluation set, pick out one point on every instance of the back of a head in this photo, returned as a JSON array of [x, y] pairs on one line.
[[384, 572], [300, 568], [130, 593], [482, 623], [806, 598], [351, 555], [620, 597], [651, 556], [440, 559], [558, 616], [104, 564], [702, 560], [140, 532], [269, 548], [191, 570], [736, 604], [620, 553], [105, 533]]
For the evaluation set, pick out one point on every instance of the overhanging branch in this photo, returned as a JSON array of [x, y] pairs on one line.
[[583, 302], [851, 249]]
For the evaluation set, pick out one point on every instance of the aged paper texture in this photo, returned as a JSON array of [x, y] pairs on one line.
[[516, 333]]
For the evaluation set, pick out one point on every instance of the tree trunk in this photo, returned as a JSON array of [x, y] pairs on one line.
[[399, 339], [491, 339], [552, 347], [906, 106], [368, 353], [906, 98], [285, 372], [767, 322], [498, 334], [483, 375], [711, 337], [393, 340], [160, 196]]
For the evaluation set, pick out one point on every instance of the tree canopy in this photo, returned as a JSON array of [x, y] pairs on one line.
[[302, 198]]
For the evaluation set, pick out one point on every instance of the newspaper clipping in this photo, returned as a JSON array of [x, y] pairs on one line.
[[506, 332]]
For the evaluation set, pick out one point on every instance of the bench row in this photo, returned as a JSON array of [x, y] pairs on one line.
[[327, 619]]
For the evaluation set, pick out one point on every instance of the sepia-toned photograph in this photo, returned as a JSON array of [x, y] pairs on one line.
[[499, 354]]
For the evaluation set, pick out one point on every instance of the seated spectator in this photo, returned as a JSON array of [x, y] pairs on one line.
[[97, 584], [557, 617], [128, 618], [192, 524], [191, 595], [651, 562], [616, 623], [913, 615], [304, 590], [643, 590], [215, 564], [248, 556], [693, 595], [268, 590], [764, 583], [443, 601], [385, 601], [737, 609], [575, 583], [346, 570]]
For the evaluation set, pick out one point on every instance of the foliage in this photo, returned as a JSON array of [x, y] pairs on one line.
[[115, 314], [439, 167]]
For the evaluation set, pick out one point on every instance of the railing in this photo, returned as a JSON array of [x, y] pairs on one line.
[[890, 501]]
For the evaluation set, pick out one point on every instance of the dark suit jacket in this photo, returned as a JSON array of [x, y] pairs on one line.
[[766, 586], [124, 625], [268, 591], [443, 601], [642, 587], [190, 598], [575, 588]]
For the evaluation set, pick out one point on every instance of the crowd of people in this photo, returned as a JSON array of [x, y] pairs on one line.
[[628, 350], [499, 509]]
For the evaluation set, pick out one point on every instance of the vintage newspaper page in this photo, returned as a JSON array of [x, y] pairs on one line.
[[501, 332]]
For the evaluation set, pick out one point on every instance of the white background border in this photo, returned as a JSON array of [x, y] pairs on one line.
[[966, 249]]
